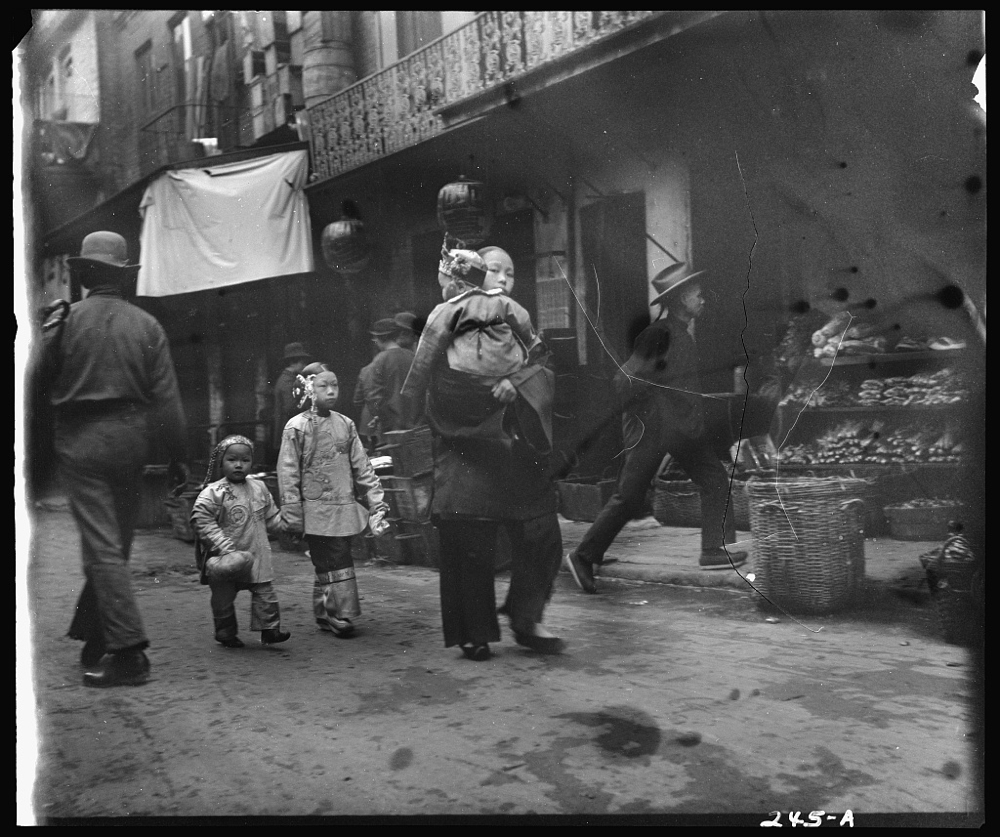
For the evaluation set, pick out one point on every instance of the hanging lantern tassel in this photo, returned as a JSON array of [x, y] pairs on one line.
[[345, 242], [463, 212]]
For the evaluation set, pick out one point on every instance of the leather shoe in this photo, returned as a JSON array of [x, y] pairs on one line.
[[272, 636], [93, 652], [541, 644], [479, 653], [720, 559], [230, 642], [582, 571], [124, 668]]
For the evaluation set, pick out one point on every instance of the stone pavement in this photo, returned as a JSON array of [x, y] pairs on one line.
[[645, 551]]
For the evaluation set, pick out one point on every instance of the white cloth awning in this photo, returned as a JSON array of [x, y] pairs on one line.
[[213, 226]]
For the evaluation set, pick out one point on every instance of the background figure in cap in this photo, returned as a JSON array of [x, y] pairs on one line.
[[284, 404], [390, 409], [663, 413], [367, 426], [489, 400], [407, 335], [114, 391]]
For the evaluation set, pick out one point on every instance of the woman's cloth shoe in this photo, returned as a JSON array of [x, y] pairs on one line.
[[720, 559], [272, 636], [124, 668], [582, 572], [93, 652], [479, 653], [342, 628], [541, 644], [230, 642]]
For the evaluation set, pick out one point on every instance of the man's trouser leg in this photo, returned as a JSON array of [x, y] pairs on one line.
[[335, 589], [642, 461], [101, 462], [536, 555], [702, 465], [466, 574]]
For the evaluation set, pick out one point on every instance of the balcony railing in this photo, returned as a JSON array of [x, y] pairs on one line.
[[400, 106]]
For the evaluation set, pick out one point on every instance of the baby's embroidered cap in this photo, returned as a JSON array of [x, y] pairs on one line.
[[466, 265]]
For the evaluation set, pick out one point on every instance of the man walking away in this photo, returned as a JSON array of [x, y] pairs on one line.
[[113, 389]]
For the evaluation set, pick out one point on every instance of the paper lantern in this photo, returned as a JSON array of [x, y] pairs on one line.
[[345, 245], [463, 212]]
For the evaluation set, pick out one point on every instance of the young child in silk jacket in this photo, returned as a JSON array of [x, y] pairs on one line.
[[234, 514], [329, 493]]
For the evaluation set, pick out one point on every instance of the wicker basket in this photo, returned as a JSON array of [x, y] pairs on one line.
[[955, 582], [411, 451], [582, 498], [419, 544], [808, 541], [678, 503], [409, 498]]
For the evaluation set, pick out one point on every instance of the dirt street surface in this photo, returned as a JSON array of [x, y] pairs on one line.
[[668, 701]]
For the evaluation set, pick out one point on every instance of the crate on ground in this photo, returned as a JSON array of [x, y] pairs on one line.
[[582, 498], [409, 498], [179, 505], [808, 541], [921, 521], [412, 451], [155, 486], [419, 544]]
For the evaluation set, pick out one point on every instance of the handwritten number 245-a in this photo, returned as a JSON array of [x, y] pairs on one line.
[[816, 818]]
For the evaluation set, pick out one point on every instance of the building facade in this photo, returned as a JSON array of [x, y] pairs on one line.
[[783, 152]]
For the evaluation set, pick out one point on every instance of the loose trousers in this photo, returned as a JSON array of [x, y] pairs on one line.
[[264, 611], [335, 590], [468, 569], [646, 446], [101, 459]]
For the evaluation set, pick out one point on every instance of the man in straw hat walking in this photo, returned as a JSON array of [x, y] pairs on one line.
[[663, 413], [113, 389]]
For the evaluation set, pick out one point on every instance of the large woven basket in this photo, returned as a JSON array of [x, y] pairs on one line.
[[412, 451], [678, 503], [808, 541]]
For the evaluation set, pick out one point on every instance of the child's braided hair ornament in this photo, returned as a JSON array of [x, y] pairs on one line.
[[220, 450], [302, 391]]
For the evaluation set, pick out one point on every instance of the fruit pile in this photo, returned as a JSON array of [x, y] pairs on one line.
[[941, 387], [865, 443]]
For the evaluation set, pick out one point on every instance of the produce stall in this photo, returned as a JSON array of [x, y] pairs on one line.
[[869, 403]]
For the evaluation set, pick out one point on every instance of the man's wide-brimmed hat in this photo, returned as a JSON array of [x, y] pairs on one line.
[[296, 350], [103, 249], [384, 327], [670, 279], [405, 320]]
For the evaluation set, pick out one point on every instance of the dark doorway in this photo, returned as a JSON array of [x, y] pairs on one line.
[[613, 243], [613, 240]]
